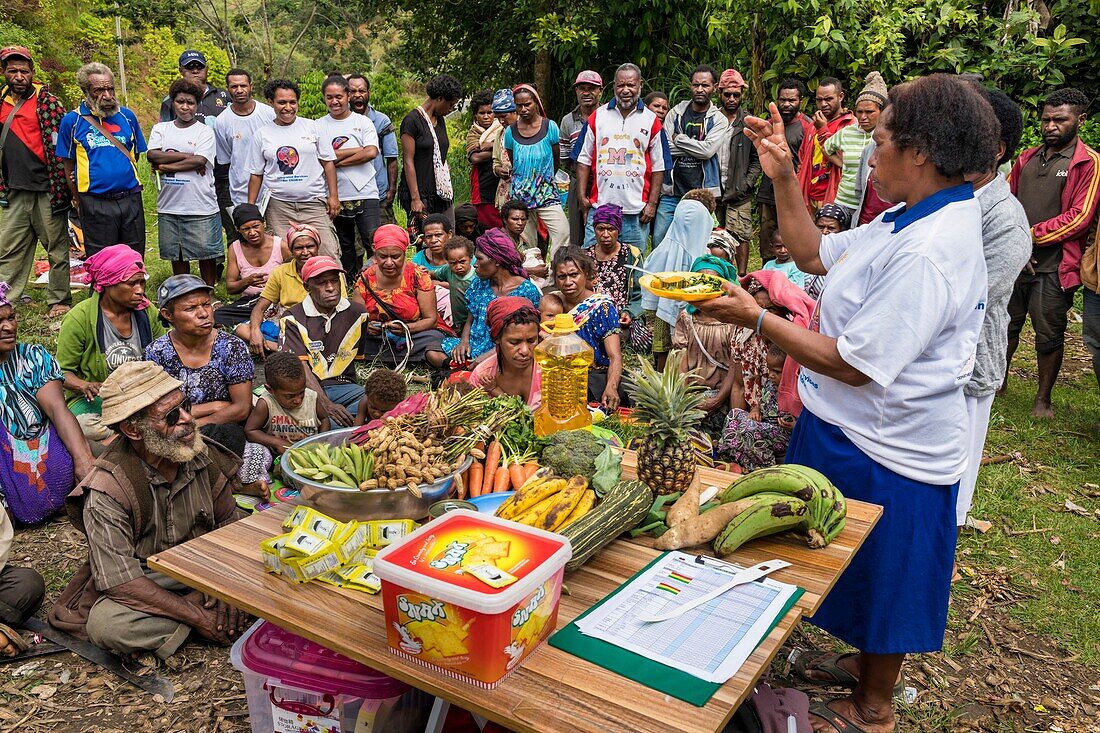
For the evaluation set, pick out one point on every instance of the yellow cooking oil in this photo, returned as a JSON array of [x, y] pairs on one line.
[[564, 358]]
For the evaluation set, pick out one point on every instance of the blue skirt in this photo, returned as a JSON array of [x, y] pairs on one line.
[[893, 597]]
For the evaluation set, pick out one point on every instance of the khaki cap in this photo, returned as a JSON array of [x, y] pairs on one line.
[[132, 387]]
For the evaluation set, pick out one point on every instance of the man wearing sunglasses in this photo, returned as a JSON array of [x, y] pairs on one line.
[[159, 485]]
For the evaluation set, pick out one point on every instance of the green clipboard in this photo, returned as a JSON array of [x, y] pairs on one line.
[[661, 677]]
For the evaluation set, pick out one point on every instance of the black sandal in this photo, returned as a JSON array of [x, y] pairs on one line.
[[828, 663], [838, 722]]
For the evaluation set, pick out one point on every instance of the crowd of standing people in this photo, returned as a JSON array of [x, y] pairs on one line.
[[899, 265]]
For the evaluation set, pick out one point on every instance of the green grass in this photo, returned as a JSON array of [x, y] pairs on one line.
[[1059, 578]]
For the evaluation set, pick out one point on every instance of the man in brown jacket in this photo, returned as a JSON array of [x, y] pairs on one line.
[[159, 485]]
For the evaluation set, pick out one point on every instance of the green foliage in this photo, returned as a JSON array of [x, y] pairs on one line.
[[1089, 133], [492, 44], [389, 95], [311, 103]]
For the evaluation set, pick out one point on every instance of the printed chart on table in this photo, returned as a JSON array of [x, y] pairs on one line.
[[711, 641]]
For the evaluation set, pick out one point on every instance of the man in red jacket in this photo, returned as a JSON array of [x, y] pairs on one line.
[[1058, 184], [819, 178]]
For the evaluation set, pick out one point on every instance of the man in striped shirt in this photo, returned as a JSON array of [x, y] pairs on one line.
[[621, 156], [158, 486]]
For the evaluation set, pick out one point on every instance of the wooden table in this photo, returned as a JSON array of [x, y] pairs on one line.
[[553, 691]]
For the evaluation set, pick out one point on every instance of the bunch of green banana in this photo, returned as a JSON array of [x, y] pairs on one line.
[[766, 514], [823, 512], [345, 466]]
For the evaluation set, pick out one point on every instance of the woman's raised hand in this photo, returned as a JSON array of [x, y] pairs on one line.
[[771, 143]]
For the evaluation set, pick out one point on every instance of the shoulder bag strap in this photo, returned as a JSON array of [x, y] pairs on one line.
[[103, 131], [7, 127], [390, 312], [706, 354]]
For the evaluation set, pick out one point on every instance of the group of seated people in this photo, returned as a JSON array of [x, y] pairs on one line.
[[464, 304]]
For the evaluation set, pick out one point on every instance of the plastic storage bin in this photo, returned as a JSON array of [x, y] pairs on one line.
[[294, 685], [440, 614]]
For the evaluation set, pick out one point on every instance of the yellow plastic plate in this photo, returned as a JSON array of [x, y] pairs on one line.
[[647, 282]]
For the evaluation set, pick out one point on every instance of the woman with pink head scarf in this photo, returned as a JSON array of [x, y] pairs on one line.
[[108, 328]]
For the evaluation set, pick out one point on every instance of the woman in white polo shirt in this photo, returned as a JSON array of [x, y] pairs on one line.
[[888, 352]]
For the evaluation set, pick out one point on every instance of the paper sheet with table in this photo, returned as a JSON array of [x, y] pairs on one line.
[[711, 641]]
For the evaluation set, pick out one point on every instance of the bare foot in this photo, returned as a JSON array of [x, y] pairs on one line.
[[867, 719], [1042, 409]]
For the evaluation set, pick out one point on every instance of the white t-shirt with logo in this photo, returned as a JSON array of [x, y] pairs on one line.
[[355, 182], [187, 192], [906, 308], [289, 158], [234, 134]]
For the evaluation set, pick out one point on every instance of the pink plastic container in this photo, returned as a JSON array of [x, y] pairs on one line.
[[293, 684]]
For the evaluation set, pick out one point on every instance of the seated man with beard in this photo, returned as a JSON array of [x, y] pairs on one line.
[[160, 484]]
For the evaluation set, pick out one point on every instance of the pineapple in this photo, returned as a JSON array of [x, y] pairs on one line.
[[669, 404]]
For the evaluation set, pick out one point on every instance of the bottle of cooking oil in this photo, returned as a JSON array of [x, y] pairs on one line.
[[564, 358]]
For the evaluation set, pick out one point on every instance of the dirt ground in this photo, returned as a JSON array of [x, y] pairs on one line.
[[998, 676], [994, 675]]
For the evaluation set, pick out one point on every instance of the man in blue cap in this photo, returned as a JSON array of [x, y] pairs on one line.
[[193, 68]]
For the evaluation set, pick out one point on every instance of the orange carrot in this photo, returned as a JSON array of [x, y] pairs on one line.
[[477, 472], [502, 478], [529, 469], [492, 462], [516, 474]]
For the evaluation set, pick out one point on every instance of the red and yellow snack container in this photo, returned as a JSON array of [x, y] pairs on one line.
[[471, 595]]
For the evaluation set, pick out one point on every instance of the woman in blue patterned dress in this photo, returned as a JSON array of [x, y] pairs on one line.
[[597, 319], [500, 272], [42, 449], [215, 367]]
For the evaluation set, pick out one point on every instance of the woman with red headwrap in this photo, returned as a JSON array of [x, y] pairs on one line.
[[511, 369], [499, 270], [108, 328], [400, 300]]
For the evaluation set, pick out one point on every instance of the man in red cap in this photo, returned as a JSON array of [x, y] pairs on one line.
[[32, 181], [587, 87], [326, 331]]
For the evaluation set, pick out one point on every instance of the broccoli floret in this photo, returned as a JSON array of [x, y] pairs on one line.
[[573, 453]]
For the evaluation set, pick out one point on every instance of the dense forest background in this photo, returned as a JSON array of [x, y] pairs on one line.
[[1026, 47]]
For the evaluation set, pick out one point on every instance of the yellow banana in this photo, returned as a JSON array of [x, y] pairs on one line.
[[588, 500], [567, 500], [533, 496]]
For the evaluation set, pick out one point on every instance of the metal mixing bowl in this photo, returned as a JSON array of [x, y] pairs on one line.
[[347, 504]]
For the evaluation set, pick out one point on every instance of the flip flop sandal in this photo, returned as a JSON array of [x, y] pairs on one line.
[[15, 639], [837, 721], [828, 663]]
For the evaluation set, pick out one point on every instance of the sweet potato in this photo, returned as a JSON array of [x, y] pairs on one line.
[[686, 507], [700, 528]]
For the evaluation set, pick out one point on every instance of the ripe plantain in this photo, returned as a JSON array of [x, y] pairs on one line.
[[583, 507], [769, 514], [566, 501], [531, 498]]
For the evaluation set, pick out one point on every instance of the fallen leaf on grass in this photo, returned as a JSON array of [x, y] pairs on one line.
[[981, 525], [1077, 509]]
